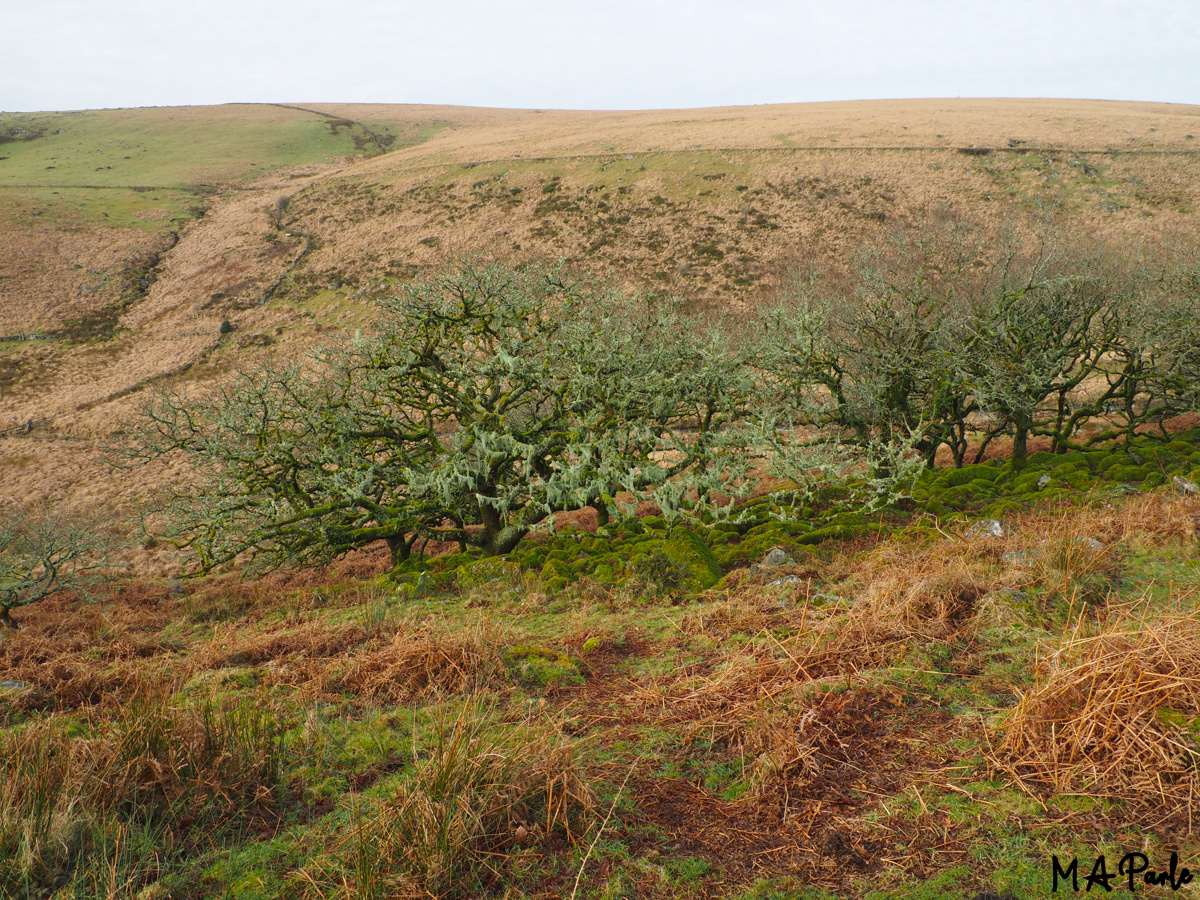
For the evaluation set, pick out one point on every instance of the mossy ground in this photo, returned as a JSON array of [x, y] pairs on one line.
[[833, 735]]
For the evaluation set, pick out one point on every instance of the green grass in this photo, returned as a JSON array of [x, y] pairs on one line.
[[165, 147], [152, 168]]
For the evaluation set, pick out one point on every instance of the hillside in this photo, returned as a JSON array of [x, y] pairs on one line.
[[817, 688], [128, 236]]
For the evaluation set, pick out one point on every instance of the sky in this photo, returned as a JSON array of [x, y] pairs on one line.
[[599, 54]]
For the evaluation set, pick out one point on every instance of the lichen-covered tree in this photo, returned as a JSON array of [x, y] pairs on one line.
[[1049, 346], [286, 469], [876, 355], [487, 399], [41, 553]]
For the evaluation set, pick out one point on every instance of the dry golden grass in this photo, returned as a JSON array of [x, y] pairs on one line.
[[1115, 712], [280, 649], [422, 663], [906, 598], [925, 593], [152, 760], [480, 788]]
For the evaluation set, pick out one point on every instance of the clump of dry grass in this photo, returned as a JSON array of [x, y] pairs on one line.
[[421, 663], [480, 788], [1115, 713], [927, 595], [740, 612], [1154, 518], [154, 763], [311, 641]]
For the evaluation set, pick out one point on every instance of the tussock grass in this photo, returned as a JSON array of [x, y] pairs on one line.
[[423, 663], [1114, 710], [929, 594], [155, 766], [481, 787]]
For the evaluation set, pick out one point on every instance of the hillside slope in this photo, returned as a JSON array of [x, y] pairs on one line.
[[127, 237]]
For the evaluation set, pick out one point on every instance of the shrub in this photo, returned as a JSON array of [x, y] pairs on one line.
[[42, 553]]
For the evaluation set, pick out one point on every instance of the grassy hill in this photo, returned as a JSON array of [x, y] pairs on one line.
[[842, 706]]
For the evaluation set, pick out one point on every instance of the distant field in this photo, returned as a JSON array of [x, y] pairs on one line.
[[178, 146]]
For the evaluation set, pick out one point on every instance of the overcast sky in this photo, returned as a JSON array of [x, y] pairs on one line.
[[599, 54]]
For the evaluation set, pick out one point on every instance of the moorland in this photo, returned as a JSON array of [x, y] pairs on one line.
[[830, 681]]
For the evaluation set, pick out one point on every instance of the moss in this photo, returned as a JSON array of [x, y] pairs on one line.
[[538, 668], [983, 488], [983, 472], [937, 508], [1026, 483], [488, 570], [841, 531], [1129, 474], [1001, 509], [1043, 460], [688, 549], [756, 544], [1079, 479], [1117, 458]]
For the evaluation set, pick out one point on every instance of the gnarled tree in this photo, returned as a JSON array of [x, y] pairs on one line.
[[41, 553], [486, 400]]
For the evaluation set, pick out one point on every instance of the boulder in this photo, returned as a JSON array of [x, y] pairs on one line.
[[1185, 485], [986, 528], [786, 579], [776, 558]]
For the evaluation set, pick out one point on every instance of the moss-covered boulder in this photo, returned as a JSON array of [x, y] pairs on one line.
[[540, 669]]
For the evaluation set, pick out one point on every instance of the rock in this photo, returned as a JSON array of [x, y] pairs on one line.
[[986, 528], [786, 579], [826, 598], [1185, 485], [1043, 481], [13, 685], [1016, 557], [1092, 544], [175, 588], [777, 558]]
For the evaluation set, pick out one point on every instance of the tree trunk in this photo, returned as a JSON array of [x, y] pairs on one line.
[[497, 543], [601, 512], [1020, 450], [399, 548]]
